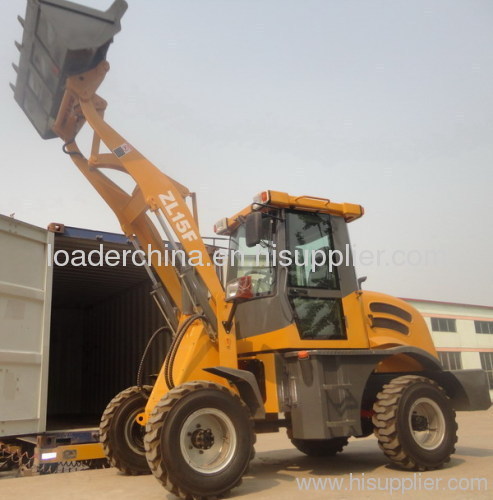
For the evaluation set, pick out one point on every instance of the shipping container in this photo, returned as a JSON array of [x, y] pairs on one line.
[[71, 337]]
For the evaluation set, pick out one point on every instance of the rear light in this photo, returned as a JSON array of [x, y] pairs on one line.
[[239, 289], [221, 226], [262, 198], [303, 354]]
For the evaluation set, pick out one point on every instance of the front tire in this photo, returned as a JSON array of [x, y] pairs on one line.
[[199, 440], [415, 423], [121, 436]]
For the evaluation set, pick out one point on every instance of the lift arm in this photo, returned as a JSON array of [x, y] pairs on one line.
[[154, 191], [62, 65]]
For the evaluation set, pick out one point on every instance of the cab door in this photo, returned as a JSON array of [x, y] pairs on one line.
[[320, 275]]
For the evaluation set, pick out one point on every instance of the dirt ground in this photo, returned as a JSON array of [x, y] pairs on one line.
[[280, 471]]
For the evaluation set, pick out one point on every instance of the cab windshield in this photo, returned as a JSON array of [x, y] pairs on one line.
[[256, 261]]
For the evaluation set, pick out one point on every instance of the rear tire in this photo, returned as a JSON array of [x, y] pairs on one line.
[[320, 447], [121, 436], [415, 423], [199, 440]]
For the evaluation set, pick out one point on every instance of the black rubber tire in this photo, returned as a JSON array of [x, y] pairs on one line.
[[163, 447], [320, 447], [123, 438], [394, 430]]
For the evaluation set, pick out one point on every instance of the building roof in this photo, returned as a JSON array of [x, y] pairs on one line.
[[447, 303]]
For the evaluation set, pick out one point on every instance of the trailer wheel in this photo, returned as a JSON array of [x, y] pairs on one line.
[[415, 423], [199, 440], [121, 436], [320, 447]]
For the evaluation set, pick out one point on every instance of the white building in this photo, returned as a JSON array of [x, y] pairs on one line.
[[462, 333]]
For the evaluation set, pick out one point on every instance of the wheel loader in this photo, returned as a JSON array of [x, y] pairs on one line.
[[294, 345]]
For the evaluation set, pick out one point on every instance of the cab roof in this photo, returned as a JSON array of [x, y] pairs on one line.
[[278, 199]]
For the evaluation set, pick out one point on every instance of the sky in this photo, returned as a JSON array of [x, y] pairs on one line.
[[387, 104]]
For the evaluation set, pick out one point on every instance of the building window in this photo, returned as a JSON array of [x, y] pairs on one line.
[[484, 326], [443, 325], [450, 360], [487, 365]]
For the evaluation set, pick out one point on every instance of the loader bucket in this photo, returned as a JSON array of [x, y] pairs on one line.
[[60, 39]]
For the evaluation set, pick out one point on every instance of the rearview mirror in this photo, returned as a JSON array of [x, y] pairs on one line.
[[361, 281], [253, 229]]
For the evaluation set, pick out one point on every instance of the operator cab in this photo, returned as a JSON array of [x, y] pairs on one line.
[[290, 262]]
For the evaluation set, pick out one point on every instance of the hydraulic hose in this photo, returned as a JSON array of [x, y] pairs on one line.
[[144, 356], [170, 358]]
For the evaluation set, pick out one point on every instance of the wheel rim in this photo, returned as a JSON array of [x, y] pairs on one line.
[[427, 423], [134, 433], [208, 440]]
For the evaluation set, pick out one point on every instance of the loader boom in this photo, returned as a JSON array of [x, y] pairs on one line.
[[154, 192], [62, 64]]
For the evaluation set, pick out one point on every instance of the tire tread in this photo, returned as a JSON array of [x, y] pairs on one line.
[[384, 421], [104, 430], [153, 434]]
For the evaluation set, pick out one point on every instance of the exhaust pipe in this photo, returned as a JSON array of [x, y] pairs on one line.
[[60, 39]]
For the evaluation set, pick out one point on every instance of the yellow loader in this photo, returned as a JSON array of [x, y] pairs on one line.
[[290, 341]]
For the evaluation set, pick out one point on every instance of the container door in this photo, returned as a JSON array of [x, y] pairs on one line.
[[25, 303]]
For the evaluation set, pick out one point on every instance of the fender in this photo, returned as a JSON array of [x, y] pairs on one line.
[[247, 386]]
